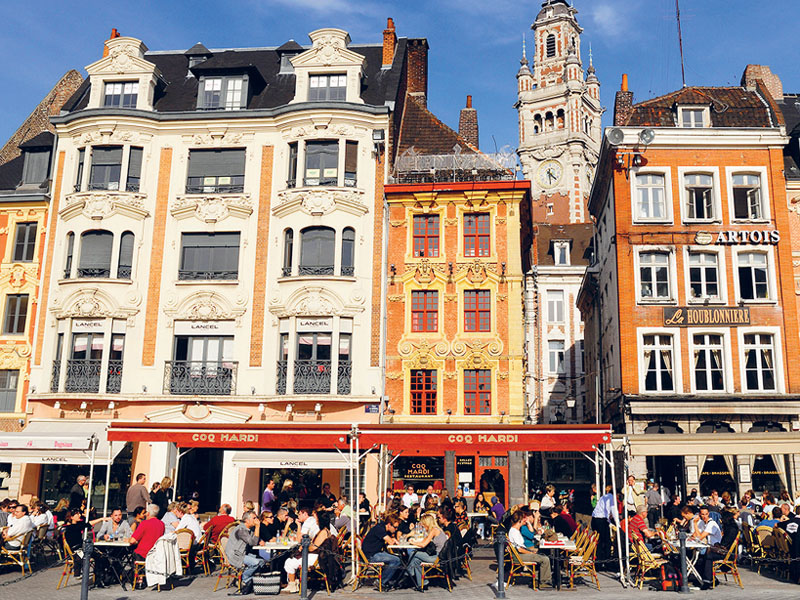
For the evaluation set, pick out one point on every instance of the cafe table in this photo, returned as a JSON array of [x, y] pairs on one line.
[[695, 546], [555, 547], [407, 552], [115, 552], [276, 549]]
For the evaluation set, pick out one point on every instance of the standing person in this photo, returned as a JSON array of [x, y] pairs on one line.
[[162, 495], [137, 495], [528, 554], [632, 493], [374, 546], [673, 510], [429, 493], [242, 538], [77, 494], [268, 498], [593, 496], [497, 511], [602, 516], [548, 500], [327, 499], [410, 497], [147, 532], [219, 522], [363, 502], [653, 499]]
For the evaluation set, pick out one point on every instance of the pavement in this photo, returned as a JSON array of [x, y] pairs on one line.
[[42, 586]]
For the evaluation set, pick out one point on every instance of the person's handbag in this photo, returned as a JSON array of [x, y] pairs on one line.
[[267, 584]]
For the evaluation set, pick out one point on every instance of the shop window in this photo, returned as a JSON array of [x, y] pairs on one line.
[[423, 392], [317, 251], [96, 254], [216, 171], [209, 256], [424, 310], [426, 236], [477, 310], [476, 234], [16, 314], [477, 392], [657, 360], [8, 390], [759, 362], [25, 242]]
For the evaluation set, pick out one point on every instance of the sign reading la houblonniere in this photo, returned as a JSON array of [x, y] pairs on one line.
[[689, 316]]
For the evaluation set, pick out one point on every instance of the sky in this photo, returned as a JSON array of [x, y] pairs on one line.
[[475, 45]]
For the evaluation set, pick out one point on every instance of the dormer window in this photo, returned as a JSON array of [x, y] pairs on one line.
[[121, 94], [692, 117], [327, 87], [36, 165], [287, 68], [223, 93], [561, 252]]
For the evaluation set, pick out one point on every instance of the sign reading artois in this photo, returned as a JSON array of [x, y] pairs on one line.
[[689, 316]]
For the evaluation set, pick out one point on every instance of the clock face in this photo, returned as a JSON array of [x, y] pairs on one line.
[[549, 173]]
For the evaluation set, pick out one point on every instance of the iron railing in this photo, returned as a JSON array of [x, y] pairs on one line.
[[286, 271], [189, 275], [316, 270], [312, 377], [114, 381], [201, 378], [348, 271], [56, 376], [94, 272], [203, 185], [281, 377], [132, 185], [83, 376], [123, 272], [344, 371]]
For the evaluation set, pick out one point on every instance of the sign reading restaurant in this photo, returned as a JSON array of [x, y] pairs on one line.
[[689, 316]]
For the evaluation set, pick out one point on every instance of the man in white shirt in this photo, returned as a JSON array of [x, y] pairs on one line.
[[410, 497], [604, 513], [707, 530], [515, 538], [308, 524], [22, 524], [429, 493], [633, 494]]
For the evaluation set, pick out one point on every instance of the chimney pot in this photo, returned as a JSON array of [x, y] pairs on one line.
[[114, 34], [624, 87], [469, 101]]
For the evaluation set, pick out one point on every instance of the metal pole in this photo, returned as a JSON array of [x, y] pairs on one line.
[[500, 549], [108, 480], [304, 544], [622, 578], [627, 523], [684, 575], [87, 539], [354, 522], [597, 466], [177, 466], [93, 441]]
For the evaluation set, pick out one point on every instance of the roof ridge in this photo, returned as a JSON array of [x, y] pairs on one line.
[[692, 87]]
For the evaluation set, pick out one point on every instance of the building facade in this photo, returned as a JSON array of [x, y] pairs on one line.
[[690, 305], [215, 248]]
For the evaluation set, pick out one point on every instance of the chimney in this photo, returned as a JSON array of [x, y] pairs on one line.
[[389, 42], [623, 103], [771, 81], [114, 34], [468, 123], [417, 70]]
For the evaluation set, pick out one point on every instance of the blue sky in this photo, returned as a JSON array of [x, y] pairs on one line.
[[475, 44]]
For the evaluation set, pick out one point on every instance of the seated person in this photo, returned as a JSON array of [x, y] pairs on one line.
[[374, 546], [462, 519], [684, 523], [772, 519], [116, 528], [18, 526], [173, 516], [236, 549], [74, 528], [515, 538], [639, 529], [219, 522], [292, 564], [431, 545], [405, 524], [531, 524], [562, 521], [147, 532], [139, 515], [706, 529], [363, 502]]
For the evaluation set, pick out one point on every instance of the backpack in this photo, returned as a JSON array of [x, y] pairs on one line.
[[670, 579]]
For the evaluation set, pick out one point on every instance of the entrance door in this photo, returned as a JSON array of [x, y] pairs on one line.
[[492, 476], [201, 472], [667, 471]]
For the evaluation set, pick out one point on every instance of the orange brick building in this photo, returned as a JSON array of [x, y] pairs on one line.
[[690, 310]]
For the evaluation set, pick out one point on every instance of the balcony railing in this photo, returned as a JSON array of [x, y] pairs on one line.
[[201, 378], [344, 371], [102, 272], [281, 376], [56, 376], [286, 271], [348, 271], [203, 185], [83, 376], [316, 270], [186, 275], [114, 381], [312, 377], [123, 272]]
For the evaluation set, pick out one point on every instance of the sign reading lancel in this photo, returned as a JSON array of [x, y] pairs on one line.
[[688, 316]]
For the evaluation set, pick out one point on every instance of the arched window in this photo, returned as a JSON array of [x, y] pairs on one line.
[[69, 253], [316, 251], [560, 119], [663, 427], [288, 248], [95, 254], [714, 427], [551, 46], [537, 123], [125, 264], [549, 122], [348, 251], [766, 427]]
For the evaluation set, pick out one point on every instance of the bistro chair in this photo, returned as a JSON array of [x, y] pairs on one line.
[[646, 561], [139, 568], [755, 553], [367, 569], [203, 552], [436, 570], [783, 551], [585, 562], [20, 557], [185, 540], [226, 570], [729, 564], [520, 567], [69, 564]]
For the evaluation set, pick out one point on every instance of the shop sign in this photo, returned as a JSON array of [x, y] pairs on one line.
[[223, 439], [87, 325], [372, 409], [204, 328], [312, 324], [483, 438], [420, 468], [688, 316], [734, 237]]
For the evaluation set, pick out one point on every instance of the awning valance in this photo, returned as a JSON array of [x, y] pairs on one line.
[[282, 460], [58, 442], [682, 444]]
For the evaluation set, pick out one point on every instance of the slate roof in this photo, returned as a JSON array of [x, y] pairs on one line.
[[43, 140], [423, 131], [730, 107], [790, 107], [580, 234], [11, 173], [271, 89]]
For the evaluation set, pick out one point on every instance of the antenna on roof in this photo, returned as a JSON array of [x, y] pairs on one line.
[[680, 42]]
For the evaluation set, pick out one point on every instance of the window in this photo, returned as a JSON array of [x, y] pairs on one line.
[[209, 256], [699, 198], [288, 250], [424, 310], [747, 197], [106, 168], [348, 251], [580, 358], [8, 390], [134, 169], [551, 46], [423, 392], [709, 374], [477, 392], [317, 250], [36, 166], [555, 306], [83, 366], [759, 362], [561, 253], [658, 363], [115, 354], [95, 254], [650, 197], [291, 181], [426, 235], [25, 242], [125, 264], [216, 171], [327, 87], [654, 275], [704, 276], [322, 163], [121, 94], [692, 117], [345, 366], [223, 93], [69, 253], [350, 163], [477, 310], [555, 356], [753, 276], [476, 234], [202, 365], [312, 369], [16, 314], [79, 172]]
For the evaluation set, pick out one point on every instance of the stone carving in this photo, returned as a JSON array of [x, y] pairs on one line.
[[394, 375], [502, 374], [451, 221], [99, 205], [320, 201], [502, 297], [397, 223], [204, 306], [91, 302], [122, 58], [450, 374], [395, 298], [491, 348], [14, 355], [216, 138], [450, 297], [314, 304], [212, 208]]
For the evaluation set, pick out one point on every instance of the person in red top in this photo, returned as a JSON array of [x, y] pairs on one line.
[[148, 531], [639, 530], [219, 522]]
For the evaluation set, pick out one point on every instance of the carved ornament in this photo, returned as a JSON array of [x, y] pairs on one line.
[[99, 205], [212, 208], [205, 306], [320, 201]]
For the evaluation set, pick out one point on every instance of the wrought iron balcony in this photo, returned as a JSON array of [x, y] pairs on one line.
[[281, 375], [56, 376], [286, 271], [312, 377], [114, 381], [315, 270], [123, 272], [201, 378], [348, 271], [132, 185], [103, 272], [187, 275], [344, 371], [203, 185], [83, 376]]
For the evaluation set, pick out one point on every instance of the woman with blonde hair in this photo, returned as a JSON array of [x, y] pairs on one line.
[[431, 545], [162, 496]]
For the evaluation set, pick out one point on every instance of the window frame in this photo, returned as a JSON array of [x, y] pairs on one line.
[[716, 193], [705, 114], [429, 387], [677, 372], [563, 362], [312, 77], [423, 311], [132, 95], [185, 274], [480, 311], [666, 173], [8, 393], [476, 235], [772, 291], [105, 266], [225, 81], [237, 180], [21, 308], [28, 244], [552, 302], [562, 246], [322, 181], [318, 268], [777, 347], [766, 209], [727, 360], [35, 172], [91, 185], [427, 236], [722, 281], [473, 395], [671, 274]]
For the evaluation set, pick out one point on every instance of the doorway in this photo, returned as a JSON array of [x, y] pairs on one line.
[[668, 472], [492, 475], [200, 473], [716, 475]]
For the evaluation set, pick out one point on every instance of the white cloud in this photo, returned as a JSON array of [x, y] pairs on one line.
[[326, 7], [610, 18]]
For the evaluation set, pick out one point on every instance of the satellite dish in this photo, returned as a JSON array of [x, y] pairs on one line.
[[615, 136], [646, 136]]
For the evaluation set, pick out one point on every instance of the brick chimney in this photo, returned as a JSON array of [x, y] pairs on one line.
[[771, 81], [389, 42], [623, 103], [468, 123], [114, 34], [417, 71]]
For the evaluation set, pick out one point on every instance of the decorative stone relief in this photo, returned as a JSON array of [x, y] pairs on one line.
[[491, 348], [99, 205], [502, 297], [212, 208], [320, 201], [122, 58], [14, 355], [394, 375], [450, 374], [90, 302], [205, 306], [450, 297], [502, 374], [309, 301], [452, 221], [217, 138], [395, 298], [397, 223]]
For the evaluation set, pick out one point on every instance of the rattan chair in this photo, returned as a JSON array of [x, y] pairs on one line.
[[728, 562], [521, 568], [21, 557], [226, 570], [585, 562], [69, 563], [646, 562], [367, 569], [185, 541], [436, 570]]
